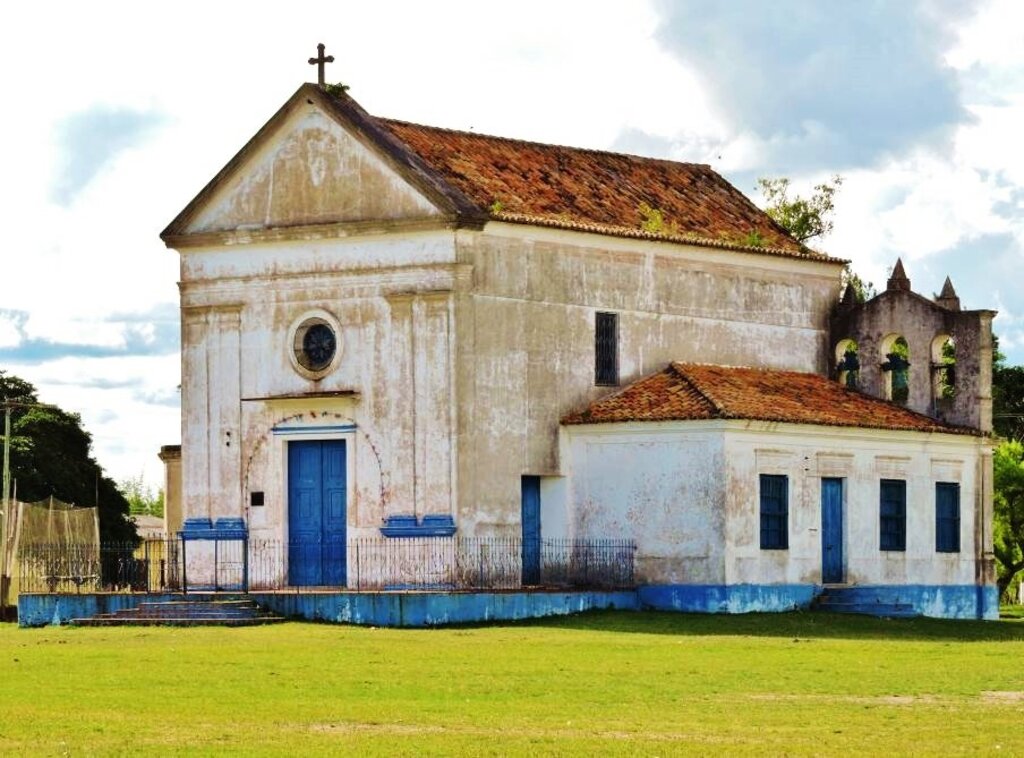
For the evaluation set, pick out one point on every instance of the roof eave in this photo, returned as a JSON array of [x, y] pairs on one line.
[[685, 239]]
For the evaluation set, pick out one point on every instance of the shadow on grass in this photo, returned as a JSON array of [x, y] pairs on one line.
[[796, 624]]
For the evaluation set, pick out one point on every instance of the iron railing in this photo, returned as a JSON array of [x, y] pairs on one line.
[[361, 564], [149, 566]]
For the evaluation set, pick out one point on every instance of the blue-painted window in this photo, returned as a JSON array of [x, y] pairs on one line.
[[606, 349], [774, 512], [893, 515], [947, 517]]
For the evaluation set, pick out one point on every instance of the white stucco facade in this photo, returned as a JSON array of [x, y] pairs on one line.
[[458, 346], [689, 493]]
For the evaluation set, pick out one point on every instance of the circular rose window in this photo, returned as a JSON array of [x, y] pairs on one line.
[[315, 345]]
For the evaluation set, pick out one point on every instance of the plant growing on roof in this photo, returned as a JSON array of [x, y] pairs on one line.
[[334, 90], [753, 239], [654, 221]]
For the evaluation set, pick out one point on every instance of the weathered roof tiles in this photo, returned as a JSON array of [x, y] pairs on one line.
[[592, 190], [687, 391]]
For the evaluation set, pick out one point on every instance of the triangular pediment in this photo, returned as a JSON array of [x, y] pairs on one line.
[[311, 166]]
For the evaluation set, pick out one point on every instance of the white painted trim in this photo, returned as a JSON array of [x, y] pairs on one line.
[[331, 320]]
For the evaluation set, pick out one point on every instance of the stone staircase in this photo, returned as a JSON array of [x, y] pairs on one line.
[[186, 612], [884, 602]]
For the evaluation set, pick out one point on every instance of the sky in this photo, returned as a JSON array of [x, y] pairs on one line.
[[118, 113]]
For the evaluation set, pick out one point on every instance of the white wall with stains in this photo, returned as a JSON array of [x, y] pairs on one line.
[[862, 458], [688, 493], [526, 337], [660, 484]]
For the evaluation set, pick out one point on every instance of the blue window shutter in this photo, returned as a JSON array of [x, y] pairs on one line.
[[947, 517], [774, 512], [892, 512]]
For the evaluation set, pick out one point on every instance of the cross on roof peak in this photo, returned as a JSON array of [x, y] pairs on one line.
[[319, 62]]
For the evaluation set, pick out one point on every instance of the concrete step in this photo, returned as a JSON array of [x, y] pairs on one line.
[[884, 602], [883, 610], [172, 621]]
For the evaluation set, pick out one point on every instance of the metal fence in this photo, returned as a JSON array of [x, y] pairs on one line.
[[363, 564], [149, 566]]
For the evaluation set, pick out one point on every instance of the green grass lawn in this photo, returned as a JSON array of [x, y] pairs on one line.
[[620, 683]]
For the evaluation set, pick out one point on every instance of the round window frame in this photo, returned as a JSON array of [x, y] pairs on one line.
[[296, 335]]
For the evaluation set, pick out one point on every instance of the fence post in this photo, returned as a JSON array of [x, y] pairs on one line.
[[184, 566], [245, 563]]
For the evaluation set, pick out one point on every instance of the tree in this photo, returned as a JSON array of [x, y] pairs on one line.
[[803, 218], [1008, 537], [51, 456], [1007, 396], [142, 499], [862, 290]]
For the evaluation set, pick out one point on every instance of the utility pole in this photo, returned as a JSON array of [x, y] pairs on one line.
[[7, 515], [4, 580]]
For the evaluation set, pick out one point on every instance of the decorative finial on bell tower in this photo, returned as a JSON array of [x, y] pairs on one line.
[[898, 281], [319, 62], [948, 298]]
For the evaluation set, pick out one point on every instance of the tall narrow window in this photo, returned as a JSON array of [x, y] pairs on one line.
[[606, 349], [947, 517], [893, 515], [774, 512]]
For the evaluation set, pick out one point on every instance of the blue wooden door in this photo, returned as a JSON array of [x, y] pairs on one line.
[[832, 531], [531, 529], [317, 519]]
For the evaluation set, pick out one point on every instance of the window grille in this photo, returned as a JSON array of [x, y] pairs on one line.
[[606, 349], [947, 517], [774, 512], [893, 515]]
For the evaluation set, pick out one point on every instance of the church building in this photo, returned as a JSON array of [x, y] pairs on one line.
[[395, 331]]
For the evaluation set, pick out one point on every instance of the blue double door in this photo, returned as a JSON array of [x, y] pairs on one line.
[[832, 571], [317, 517]]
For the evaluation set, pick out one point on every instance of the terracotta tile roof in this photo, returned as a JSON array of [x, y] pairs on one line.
[[687, 391], [590, 190]]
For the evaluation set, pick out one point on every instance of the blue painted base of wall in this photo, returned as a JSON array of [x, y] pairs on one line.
[[961, 601], [937, 601], [422, 609], [41, 610], [419, 609], [721, 598], [408, 609]]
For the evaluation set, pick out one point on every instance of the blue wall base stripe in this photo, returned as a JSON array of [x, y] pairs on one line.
[[727, 598], [410, 609], [956, 601], [939, 601], [438, 608]]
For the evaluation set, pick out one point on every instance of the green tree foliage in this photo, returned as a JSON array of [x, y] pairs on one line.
[[803, 218], [862, 290], [1007, 396], [1008, 466], [51, 456], [142, 499]]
